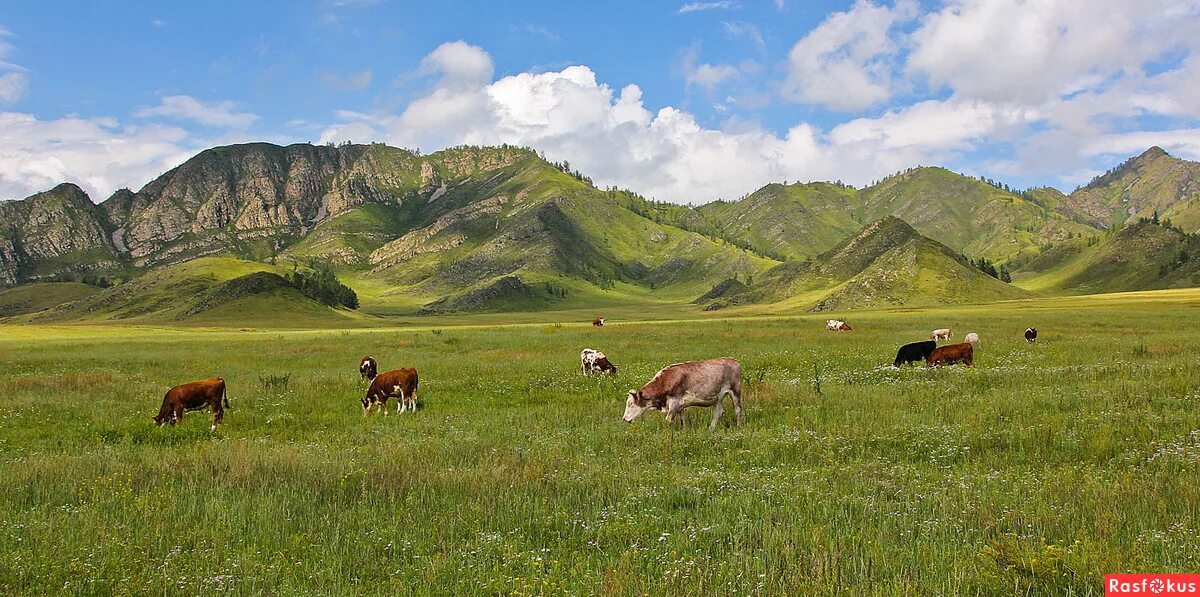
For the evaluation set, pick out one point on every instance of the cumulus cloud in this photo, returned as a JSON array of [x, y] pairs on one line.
[[222, 114], [97, 153], [1005, 50], [846, 62]]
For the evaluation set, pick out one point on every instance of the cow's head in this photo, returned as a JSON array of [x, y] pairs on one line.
[[636, 404]]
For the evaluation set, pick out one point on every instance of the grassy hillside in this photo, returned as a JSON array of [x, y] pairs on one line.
[[209, 291], [966, 214], [1141, 256], [887, 264], [1152, 182], [32, 298], [795, 221]]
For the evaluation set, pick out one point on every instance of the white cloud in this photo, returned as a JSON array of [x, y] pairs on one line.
[[350, 82], [1005, 50], [846, 62], [701, 6], [222, 114], [705, 75], [96, 153]]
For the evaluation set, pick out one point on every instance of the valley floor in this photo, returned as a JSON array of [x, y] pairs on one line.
[[1037, 471]]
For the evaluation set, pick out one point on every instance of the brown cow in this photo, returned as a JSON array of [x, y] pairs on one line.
[[194, 396], [367, 368], [952, 353], [599, 321], [401, 383]]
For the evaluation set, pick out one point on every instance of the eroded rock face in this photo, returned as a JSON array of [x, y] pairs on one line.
[[56, 232]]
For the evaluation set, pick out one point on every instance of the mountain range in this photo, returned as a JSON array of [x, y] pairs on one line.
[[502, 229]]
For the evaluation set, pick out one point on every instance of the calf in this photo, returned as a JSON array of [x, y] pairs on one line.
[[950, 354], [1031, 334], [367, 368], [401, 383], [194, 396], [594, 361], [941, 334], [914, 351], [972, 339], [684, 385], [599, 321]]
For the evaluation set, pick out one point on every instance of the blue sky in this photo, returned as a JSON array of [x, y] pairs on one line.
[[685, 101]]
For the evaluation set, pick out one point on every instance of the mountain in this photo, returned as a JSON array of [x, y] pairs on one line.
[[51, 234], [966, 214], [1143, 255], [886, 264], [460, 229], [1152, 181], [793, 221], [500, 228]]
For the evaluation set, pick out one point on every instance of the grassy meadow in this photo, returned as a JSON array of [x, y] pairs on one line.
[[1035, 472]]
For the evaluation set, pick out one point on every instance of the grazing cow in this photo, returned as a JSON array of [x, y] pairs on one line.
[[367, 368], [401, 383], [683, 385], [837, 325], [594, 361], [914, 351], [972, 339], [194, 396], [599, 321], [950, 354], [1031, 334], [941, 334]]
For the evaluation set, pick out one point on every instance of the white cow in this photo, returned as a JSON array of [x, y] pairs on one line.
[[684, 385], [941, 334], [972, 339], [836, 325], [594, 361]]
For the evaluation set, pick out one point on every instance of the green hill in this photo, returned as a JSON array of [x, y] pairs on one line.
[[966, 214], [209, 290], [795, 221], [40, 296], [1141, 256], [1152, 182], [888, 263]]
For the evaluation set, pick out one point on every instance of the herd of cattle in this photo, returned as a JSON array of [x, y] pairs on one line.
[[671, 390]]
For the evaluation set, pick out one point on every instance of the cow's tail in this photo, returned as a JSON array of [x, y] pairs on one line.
[[224, 394]]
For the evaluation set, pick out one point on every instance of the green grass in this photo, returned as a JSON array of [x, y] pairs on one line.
[[31, 298], [1035, 472]]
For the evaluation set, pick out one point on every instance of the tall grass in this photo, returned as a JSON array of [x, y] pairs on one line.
[[1035, 472]]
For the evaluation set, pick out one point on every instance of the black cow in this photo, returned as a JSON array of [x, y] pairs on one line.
[[1031, 334], [915, 351]]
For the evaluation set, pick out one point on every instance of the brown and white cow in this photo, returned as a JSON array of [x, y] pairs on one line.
[[950, 354], [399, 383], [599, 321], [594, 361], [837, 325], [683, 385], [367, 368], [194, 396], [940, 334]]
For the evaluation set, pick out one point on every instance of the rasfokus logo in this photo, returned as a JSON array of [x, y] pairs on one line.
[[1152, 584]]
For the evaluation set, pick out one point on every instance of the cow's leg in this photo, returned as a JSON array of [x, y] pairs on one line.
[[401, 403], [177, 416], [218, 414], [718, 410], [412, 401]]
